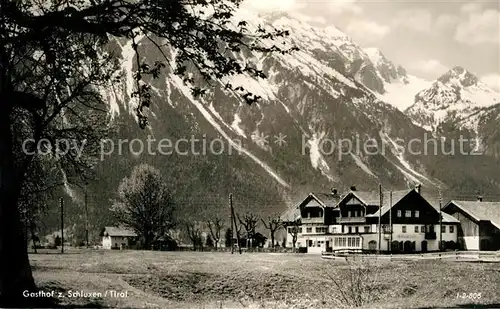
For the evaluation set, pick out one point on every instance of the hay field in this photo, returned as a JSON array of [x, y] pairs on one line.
[[95, 278]]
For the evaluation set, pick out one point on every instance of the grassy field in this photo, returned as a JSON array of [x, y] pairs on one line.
[[260, 280]]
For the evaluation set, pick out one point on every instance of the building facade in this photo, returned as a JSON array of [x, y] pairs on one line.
[[405, 222], [479, 227], [117, 238]]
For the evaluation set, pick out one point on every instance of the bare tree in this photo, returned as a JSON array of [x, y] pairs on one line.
[[249, 222], [145, 205], [293, 230], [273, 224], [194, 232], [215, 227]]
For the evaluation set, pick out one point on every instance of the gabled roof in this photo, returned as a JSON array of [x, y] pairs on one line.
[[448, 218], [480, 211], [327, 199], [372, 198], [324, 199], [398, 196], [117, 231]]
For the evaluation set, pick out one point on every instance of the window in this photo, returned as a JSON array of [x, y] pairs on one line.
[[310, 243], [408, 214], [348, 213], [443, 229], [349, 230], [346, 242], [300, 230], [321, 230], [334, 229], [399, 213], [416, 228], [422, 229], [403, 228], [356, 230], [452, 228], [367, 229], [417, 213], [308, 229]]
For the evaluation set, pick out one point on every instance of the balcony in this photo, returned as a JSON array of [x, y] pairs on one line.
[[430, 235], [351, 220], [319, 220]]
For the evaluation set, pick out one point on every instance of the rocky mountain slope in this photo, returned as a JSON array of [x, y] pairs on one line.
[[318, 103]]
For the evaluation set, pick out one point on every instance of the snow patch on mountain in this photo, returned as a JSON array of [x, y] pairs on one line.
[[128, 55], [317, 160], [236, 127], [402, 95], [206, 114], [398, 151], [362, 165]]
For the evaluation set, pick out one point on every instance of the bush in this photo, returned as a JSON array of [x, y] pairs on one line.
[[357, 286]]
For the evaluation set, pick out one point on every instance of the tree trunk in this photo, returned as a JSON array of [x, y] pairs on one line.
[[272, 239], [15, 270]]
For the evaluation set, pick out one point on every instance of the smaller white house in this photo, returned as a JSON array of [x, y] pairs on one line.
[[117, 238]]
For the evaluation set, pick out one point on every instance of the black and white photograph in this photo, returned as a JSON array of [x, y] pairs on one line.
[[260, 154]]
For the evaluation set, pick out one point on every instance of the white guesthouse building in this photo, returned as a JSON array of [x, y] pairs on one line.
[[329, 222]]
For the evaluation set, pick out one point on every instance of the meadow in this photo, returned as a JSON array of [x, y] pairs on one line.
[[144, 279]]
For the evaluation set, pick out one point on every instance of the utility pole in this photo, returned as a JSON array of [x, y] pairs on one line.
[[61, 202], [379, 218], [86, 221], [390, 220], [440, 222], [231, 219], [235, 224]]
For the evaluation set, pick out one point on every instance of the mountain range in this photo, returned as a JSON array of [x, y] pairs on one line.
[[293, 141]]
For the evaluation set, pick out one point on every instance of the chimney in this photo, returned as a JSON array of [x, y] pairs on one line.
[[353, 188], [479, 198], [418, 188], [335, 191]]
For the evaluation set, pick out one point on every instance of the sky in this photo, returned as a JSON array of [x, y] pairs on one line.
[[426, 37]]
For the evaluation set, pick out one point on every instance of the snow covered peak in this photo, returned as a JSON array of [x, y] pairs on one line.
[[375, 55], [453, 97], [459, 76]]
